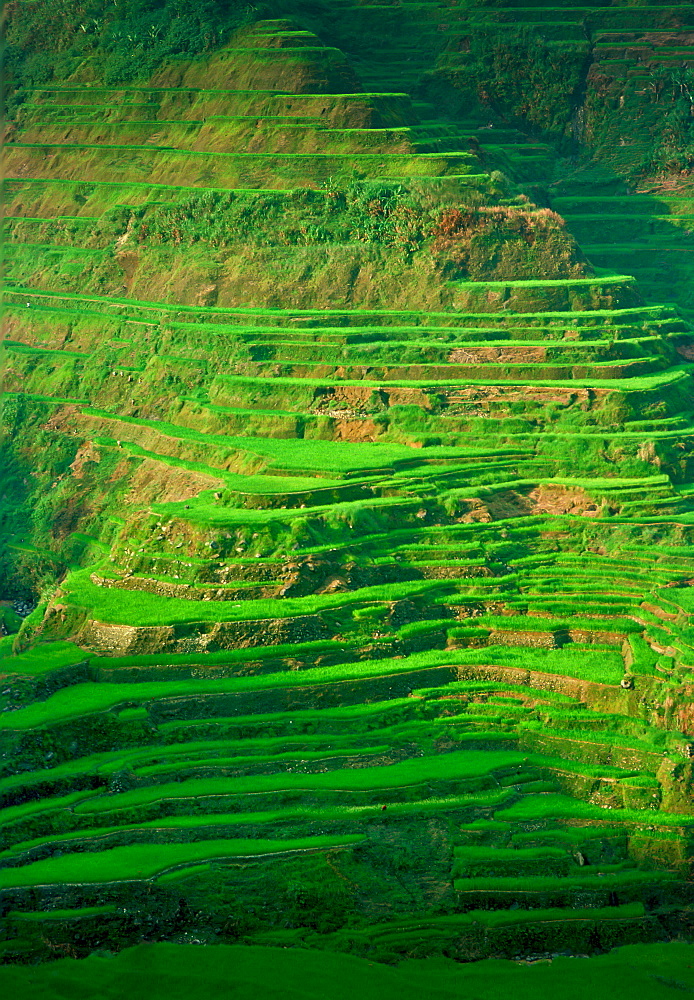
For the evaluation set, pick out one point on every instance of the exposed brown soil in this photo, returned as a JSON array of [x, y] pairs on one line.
[[88, 452], [561, 500], [157, 482]]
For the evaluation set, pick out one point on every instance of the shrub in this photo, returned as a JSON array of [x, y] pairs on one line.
[[517, 72], [130, 40], [504, 242]]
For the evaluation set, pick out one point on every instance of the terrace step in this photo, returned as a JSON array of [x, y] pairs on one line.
[[312, 611]]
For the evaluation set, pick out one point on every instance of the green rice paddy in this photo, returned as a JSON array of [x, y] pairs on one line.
[[656, 971], [347, 518]]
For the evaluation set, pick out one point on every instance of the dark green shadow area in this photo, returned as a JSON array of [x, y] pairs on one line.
[[175, 972]]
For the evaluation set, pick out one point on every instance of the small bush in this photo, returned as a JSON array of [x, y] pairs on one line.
[[504, 242], [49, 38]]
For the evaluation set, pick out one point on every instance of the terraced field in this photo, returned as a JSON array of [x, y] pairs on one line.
[[348, 470]]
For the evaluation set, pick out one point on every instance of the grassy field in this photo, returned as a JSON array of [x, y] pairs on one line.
[[346, 451], [147, 860], [655, 971]]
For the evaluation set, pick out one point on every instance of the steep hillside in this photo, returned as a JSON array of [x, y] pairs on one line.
[[348, 481]]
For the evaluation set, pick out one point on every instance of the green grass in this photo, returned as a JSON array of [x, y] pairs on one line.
[[82, 699], [501, 918], [660, 380], [144, 861], [457, 765], [202, 511], [542, 623], [138, 608], [185, 362], [183, 972], [342, 815], [491, 854], [567, 318], [683, 597], [196, 753], [603, 666], [610, 880], [613, 279], [383, 780], [219, 657], [560, 807], [278, 758], [41, 659], [321, 456], [45, 915]]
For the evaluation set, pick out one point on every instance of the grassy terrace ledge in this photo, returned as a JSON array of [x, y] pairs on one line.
[[347, 504]]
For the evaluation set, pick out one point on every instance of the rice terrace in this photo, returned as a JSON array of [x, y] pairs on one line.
[[347, 500]]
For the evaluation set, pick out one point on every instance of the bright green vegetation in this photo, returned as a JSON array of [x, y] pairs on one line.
[[347, 502], [40, 660], [147, 860], [654, 972]]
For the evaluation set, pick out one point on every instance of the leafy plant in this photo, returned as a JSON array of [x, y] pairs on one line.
[[49, 39], [505, 241], [518, 73]]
